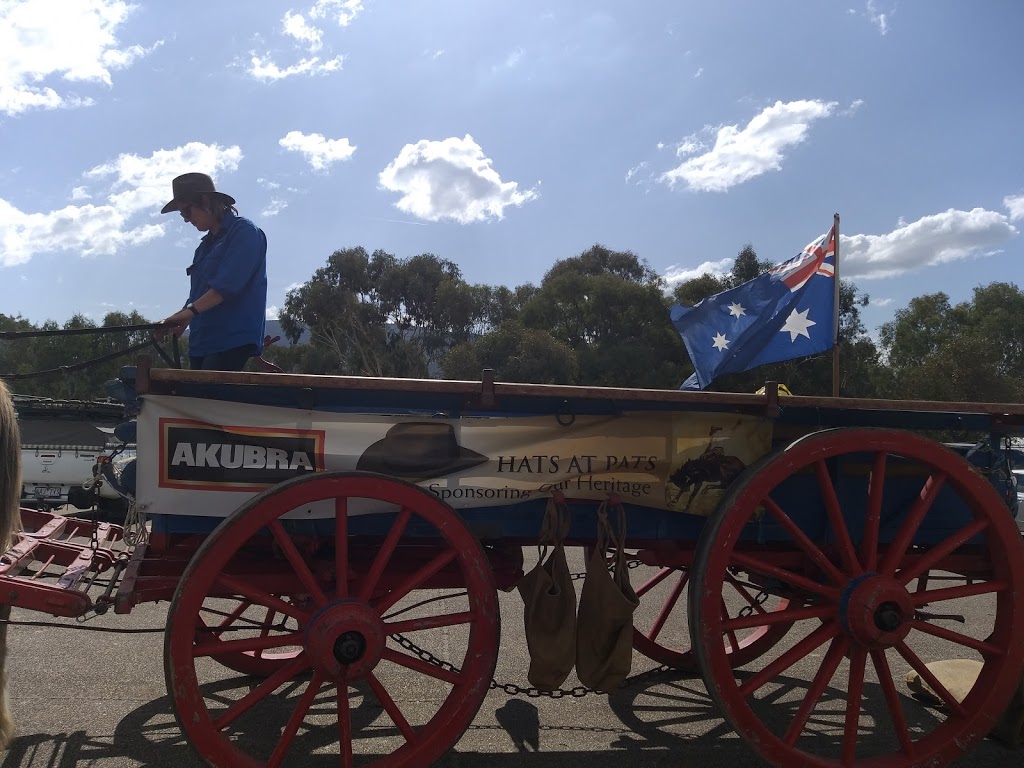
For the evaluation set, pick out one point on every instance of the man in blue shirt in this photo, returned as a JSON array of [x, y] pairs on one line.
[[227, 303]]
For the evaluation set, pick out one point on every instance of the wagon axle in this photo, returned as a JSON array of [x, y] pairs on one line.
[[349, 647]]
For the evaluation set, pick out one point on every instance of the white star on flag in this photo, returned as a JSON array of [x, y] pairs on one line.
[[797, 324], [737, 310], [720, 343]]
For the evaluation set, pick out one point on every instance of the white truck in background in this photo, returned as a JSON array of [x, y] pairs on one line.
[[59, 454]]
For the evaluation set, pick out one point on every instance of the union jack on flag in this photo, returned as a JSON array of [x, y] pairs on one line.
[[785, 313], [818, 258]]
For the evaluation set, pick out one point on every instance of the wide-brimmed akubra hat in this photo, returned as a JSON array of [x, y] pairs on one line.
[[416, 450], [189, 188]]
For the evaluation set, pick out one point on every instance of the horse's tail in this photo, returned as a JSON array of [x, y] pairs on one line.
[[10, 521]]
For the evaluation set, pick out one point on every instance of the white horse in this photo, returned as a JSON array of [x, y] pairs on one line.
[[10, 521]]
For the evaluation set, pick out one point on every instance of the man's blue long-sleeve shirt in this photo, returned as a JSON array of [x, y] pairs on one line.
[[234, 263]]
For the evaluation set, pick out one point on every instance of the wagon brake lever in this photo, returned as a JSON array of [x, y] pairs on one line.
[[948, 616]]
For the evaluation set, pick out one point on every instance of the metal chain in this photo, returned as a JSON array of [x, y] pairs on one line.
[[513, 689]]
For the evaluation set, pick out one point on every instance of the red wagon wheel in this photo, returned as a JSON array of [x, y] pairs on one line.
[[342, 608], [664, 636], [847, 520]]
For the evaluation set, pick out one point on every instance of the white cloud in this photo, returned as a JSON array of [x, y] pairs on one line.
[[274, 207], [264, 68], [675, 275], [319, 151], [295, 26], [450, 179], [698, 73], [267, 183], [133, 185], [942, 237], [878, 18], [76, 44], [635, 170], [881, 302], [739, 155], [272, 312], [1015, 204], [343, 12]]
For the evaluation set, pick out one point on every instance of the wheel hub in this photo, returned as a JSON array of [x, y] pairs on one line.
[[345, 640], [876, 611]]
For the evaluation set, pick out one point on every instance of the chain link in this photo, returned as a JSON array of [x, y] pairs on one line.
[[748, 610]]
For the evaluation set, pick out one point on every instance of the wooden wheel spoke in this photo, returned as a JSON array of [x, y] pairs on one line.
[[985, 649], [873, 518], [430, 622], [438, 562], [242, 607], [344, 725], [216, 647], [298, 563], [772, 618], [755, 564], [258, 596], [387, 548], [821, 680], [855, 692], [915, 517], [729, 633], [340, 547], [668, 607], [391, 708], [834, 512], [892, 701], [260, 692], [932, 557], [657, 578], [297, 717], [926, 675], [417, 665], [808, 546], [821, 635], [955, 593]]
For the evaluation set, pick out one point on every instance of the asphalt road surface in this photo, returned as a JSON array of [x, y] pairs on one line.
[[99, 699]]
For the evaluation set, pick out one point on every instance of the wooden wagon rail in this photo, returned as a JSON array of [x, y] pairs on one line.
[[487, 393]]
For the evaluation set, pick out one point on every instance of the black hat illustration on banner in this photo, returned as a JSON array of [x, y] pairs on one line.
[[416, 450]]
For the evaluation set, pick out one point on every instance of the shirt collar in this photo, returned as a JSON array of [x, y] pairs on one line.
[[225, 225]]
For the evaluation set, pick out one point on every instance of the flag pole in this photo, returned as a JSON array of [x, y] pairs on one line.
[[835, 311]]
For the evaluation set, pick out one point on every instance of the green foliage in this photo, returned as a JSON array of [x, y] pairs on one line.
[[970, 352], [46, 353], [376, 315], [516, 354], [608, 306], [596, 319]]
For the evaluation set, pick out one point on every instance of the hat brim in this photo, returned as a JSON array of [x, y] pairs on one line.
[[381, 458], [178, 203]]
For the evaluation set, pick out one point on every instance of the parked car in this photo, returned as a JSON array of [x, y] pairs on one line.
[[59, 461]]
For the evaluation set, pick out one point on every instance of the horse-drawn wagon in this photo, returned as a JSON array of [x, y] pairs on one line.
[[340, 542]]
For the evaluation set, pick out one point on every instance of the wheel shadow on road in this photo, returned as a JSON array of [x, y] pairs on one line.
[[665, 716]]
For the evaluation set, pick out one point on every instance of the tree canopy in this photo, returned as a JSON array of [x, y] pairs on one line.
[[598, 318]]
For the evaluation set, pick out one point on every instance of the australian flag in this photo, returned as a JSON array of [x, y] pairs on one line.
[[787, 312]]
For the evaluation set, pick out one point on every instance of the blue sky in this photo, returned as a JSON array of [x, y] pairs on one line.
[[508, 135]]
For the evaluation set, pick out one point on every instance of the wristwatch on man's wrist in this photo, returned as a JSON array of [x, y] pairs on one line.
[[192, 308]]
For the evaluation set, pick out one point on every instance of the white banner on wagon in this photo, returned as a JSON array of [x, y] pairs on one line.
[[207, 457]]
